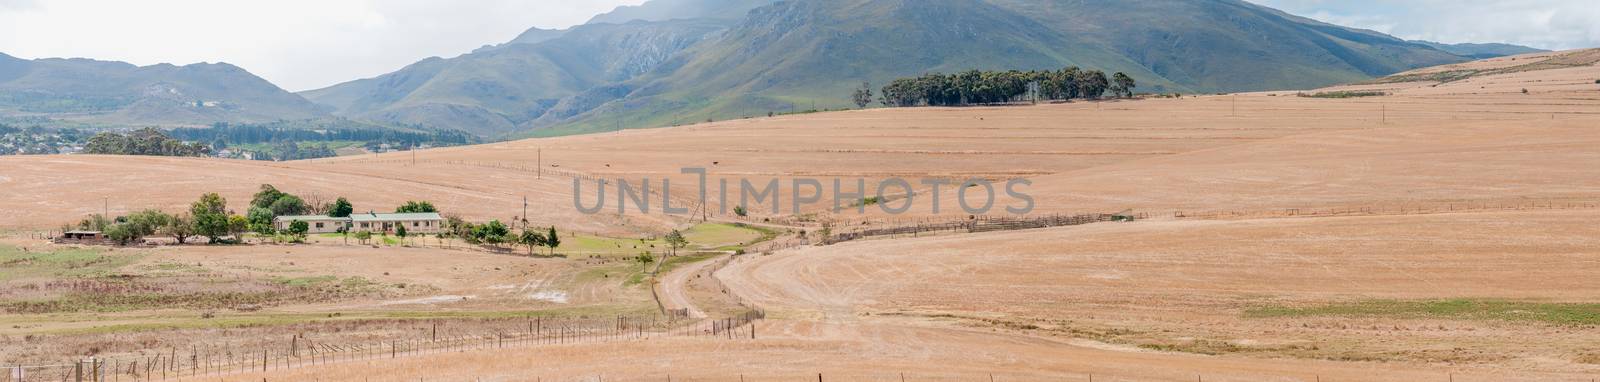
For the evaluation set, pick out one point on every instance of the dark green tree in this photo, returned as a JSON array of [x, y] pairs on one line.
[[415, 206], [287, 205], [266, 196], [341, 208], [299, 228], [260, 220], [1122, 85], [1093, 83], [552, 240]]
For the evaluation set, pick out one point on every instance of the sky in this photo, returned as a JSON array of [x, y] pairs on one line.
[[309, 44], [296, 44], [1544, 24]]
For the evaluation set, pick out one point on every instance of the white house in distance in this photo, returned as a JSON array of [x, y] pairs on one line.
[[422, 222]]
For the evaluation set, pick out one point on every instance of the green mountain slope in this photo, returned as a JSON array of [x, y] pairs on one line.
[[493, 90], [804, 51], [117, 93], [1482, 51]]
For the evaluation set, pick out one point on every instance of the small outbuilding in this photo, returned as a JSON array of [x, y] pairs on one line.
[[83, 236]]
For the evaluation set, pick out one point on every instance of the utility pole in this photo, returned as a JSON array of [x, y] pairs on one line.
[[524, 212], [538, 165], [105, 207]]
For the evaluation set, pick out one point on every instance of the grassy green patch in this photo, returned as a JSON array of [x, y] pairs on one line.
[[709, 235], [17, 264], [672, 263], [1461, 309], [305, 281], [1344, 94]]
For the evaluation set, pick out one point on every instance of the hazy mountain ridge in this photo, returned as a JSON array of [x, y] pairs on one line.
[[119, 93], [663, 10]]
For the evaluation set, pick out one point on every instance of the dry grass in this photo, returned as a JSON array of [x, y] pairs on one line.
[[1166, 299]]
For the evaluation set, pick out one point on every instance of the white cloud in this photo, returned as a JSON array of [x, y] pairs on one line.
[[297, 44], [1547, 24]]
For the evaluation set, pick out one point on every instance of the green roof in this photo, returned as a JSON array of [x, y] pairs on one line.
[[393, 217], [307, 218]]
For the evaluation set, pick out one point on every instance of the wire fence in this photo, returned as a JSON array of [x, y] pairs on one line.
[[300, 351]]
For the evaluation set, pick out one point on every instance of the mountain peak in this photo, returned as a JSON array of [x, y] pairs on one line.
[[663, 10]]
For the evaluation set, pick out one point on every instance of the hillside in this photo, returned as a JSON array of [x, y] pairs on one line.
[[117, 93], [663, 10], [493, 90], [1440, 231], [1482, 51], [815, 51], [750, 57]]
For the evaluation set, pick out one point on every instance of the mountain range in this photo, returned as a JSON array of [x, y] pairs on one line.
[[670, 62], [118, 93]]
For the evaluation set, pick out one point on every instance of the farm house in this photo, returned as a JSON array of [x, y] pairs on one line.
[[426, 222]]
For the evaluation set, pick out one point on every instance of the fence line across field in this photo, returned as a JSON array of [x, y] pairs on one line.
[[215, 360]]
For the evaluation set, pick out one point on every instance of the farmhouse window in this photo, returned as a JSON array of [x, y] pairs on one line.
[[319, 225]]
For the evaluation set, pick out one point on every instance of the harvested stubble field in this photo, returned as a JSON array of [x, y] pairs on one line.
[[1338, 288], [1440, 276]]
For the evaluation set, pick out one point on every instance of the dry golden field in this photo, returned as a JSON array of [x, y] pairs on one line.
[[1442, 231]]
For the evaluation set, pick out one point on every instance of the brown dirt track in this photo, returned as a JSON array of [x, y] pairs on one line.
[[1124, 301]]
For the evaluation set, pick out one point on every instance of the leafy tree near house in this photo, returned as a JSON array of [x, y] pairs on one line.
[[237, 226], [94, 222], [266, 196], [179, 227], [210, 215], [400, 230], [416, 206], [299, 228], [341, 208], [363, 236], [493, 233], [288, 205], [147, 222], [260, 220], [121, 233]]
